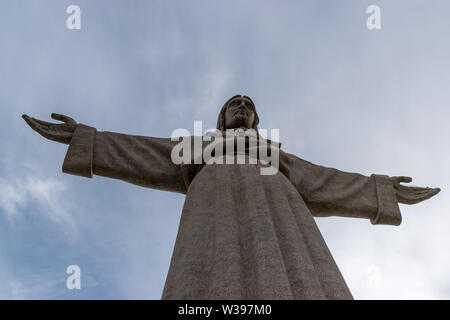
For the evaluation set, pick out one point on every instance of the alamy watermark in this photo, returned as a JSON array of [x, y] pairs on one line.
[[374, 20], [74, 20], [373, 277], [74, 280], [234, 146]]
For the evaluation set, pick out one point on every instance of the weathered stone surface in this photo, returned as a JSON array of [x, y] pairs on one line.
[[242, 235]]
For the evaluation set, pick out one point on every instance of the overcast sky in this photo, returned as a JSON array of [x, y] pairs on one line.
[[341, 95]]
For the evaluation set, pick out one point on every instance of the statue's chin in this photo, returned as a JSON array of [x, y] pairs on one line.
[[240, 121]]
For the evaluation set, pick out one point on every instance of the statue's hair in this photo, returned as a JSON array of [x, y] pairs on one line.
[[221, 121]]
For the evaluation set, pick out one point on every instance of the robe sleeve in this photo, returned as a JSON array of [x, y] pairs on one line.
[[144, 161], [331, 192]]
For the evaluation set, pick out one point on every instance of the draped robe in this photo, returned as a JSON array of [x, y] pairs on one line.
[[242, 235]]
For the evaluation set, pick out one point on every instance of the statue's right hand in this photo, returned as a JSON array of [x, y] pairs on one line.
[[59, 132]]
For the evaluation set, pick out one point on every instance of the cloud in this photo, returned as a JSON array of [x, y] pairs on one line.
[[12, 197], [43, 196]]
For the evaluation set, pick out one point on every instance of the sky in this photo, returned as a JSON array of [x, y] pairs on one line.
[[342, 96]]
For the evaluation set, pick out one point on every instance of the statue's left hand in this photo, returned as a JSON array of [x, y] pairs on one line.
[[411, 195]]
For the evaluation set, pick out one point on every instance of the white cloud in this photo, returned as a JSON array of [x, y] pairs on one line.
[[12, 197], [44, 196]]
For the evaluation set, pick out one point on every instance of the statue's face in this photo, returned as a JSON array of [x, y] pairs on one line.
[[240, 113]]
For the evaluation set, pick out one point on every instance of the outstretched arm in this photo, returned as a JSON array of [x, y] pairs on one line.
[[331, 192], [143, 161]]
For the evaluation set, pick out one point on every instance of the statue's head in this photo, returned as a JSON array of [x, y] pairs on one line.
[[238, 112]]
